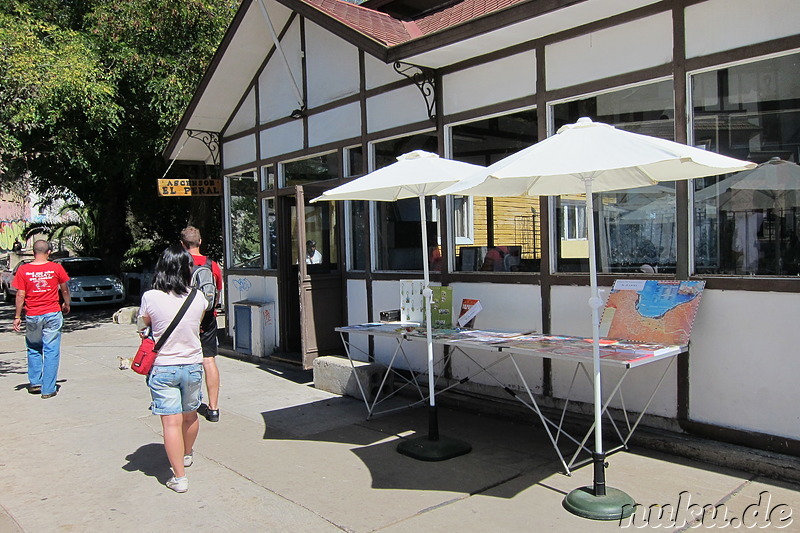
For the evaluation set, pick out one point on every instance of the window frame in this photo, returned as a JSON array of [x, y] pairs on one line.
[[226, 185]]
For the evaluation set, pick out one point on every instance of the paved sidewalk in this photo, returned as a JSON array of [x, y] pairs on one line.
[[288, 457]]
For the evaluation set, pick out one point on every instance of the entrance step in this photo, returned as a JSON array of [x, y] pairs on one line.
[[335, 374]]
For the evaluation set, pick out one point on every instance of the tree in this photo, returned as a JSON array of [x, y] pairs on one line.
[[76, 229], [90, 91]]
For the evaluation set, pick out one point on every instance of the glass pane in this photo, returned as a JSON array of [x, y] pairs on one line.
[[495, 234], [747, 223], [321, 249], [355, 161], [359, 214], [245, 242], [399, 235], [268, 178], [271, 232], [635, 230], [313, 169], [386, 152]]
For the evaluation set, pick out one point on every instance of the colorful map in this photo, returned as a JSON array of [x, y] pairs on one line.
[[651, 310]]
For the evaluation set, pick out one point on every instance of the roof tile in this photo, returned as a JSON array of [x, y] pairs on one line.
[[391, 31]]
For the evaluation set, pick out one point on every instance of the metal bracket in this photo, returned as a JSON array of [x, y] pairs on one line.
[[210, 139], [425, 80]]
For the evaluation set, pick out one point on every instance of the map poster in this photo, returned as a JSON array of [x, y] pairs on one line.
[[656, 311]]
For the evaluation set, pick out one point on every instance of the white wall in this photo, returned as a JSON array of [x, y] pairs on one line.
[[245, 118], [283, 139], [498, 81], [744, 364], [377, 73], [239, 152], [340, 123], [396, 108], [625, 48], [331, 66], [720, 25], [276, 96]]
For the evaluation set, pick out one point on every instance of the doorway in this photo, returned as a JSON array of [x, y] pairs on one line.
[[310, 277]]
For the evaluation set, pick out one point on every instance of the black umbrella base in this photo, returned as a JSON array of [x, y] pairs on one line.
[[425, 449], [615, 505]]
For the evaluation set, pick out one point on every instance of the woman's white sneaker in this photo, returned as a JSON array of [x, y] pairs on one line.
[[178, 484]]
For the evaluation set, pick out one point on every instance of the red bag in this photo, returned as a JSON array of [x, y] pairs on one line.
[[145, 356]]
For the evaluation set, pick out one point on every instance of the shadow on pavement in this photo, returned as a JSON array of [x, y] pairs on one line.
[[79, 318], [502, 451], [151, 460], [12, 367]]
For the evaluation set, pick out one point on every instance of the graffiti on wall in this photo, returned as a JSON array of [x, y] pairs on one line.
[[10, 231]]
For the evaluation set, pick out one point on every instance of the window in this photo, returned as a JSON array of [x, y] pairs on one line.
[[270, 232], [747, 223], [267, 178], [245, 238], [310, 170], [359, 218], [398, 234], [353, 161], [573, 223], [635, 230], [386, 152], [495, 234]]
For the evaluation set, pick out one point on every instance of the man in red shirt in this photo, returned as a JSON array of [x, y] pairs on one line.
[[38, 284], [190, 238]]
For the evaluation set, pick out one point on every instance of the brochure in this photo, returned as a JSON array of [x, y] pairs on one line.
[[469, 310]]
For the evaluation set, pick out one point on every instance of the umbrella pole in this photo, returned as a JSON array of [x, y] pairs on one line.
[[433, 447], [597, 502]]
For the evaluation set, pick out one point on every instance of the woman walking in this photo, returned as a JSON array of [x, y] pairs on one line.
[[177, 375]]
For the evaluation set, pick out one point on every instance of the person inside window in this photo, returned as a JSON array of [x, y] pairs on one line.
[[313, 257]]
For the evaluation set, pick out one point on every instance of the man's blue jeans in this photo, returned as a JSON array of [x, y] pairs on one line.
[[43, 339]]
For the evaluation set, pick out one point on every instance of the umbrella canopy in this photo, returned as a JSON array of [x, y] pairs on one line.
[[585, 157], [613, 159], [416, 173]]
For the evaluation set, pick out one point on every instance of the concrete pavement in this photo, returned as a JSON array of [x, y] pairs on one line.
[[288, 457]]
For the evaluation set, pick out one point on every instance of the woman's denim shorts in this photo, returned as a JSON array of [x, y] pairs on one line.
[[175, 388]]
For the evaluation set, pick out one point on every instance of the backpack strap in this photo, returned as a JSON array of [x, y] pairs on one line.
[[175, 321]]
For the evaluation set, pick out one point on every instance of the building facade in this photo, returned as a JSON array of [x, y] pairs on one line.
[[304, 95]]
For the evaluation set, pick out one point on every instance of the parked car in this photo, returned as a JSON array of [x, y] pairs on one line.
[[6, 277], [90, 282]]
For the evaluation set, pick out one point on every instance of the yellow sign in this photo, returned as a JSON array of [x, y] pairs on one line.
[[190, 187]]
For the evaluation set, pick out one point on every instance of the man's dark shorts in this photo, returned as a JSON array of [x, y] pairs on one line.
[[208, 334]]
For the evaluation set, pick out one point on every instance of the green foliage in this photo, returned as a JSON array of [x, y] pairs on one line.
[[76, 229], [51, 82], [90, 91]]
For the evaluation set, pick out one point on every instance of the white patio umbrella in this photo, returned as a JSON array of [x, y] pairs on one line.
[[588, 157], [415, 175]]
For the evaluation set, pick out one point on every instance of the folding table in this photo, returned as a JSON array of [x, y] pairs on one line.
[[513, 346]]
